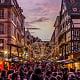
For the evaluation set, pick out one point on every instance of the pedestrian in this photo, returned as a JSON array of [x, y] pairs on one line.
[[36, 75], [3, 75], [21, 73], [52, 78]]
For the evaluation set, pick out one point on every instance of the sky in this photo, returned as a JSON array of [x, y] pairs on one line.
[[40, 14]]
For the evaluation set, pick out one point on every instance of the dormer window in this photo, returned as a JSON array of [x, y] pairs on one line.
[[2, 1]]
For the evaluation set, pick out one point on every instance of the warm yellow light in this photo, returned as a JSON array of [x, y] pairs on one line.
[[21, 60], [5, 52], [60, 54], [13, 37], [56, 57]]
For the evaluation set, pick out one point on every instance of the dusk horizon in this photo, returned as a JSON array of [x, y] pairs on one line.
[[41, 14]]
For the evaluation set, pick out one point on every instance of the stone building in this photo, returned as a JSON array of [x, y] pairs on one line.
[[67, 33], [11, 29]]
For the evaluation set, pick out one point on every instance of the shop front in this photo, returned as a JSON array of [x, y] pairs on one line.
[[4, 65], [74, 61]]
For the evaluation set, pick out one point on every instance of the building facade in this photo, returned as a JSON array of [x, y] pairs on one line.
[[67, 31], [11, 29]]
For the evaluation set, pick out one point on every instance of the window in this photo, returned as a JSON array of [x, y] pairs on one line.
[[1, 13], [1, 43], [2, 1], [1, 28], [14, 17], [75, 46], [76, 35]]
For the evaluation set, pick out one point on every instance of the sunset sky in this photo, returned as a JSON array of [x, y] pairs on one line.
[[40, 14]]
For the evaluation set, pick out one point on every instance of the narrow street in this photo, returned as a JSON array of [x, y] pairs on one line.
[[39, 39]]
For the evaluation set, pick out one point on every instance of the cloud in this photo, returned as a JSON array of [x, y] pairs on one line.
[[39, 13], [47, 8], [44, 8], [37, 9], [42, 19]]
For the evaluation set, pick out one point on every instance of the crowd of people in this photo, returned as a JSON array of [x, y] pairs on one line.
[[39, 71]]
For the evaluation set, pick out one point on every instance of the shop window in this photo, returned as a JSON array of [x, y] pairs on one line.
[[1, 13], [1, 28]]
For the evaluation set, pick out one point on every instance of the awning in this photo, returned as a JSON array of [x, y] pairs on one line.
[[66, 61]]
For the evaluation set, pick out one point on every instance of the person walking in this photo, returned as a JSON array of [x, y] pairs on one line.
[[36, 75]]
